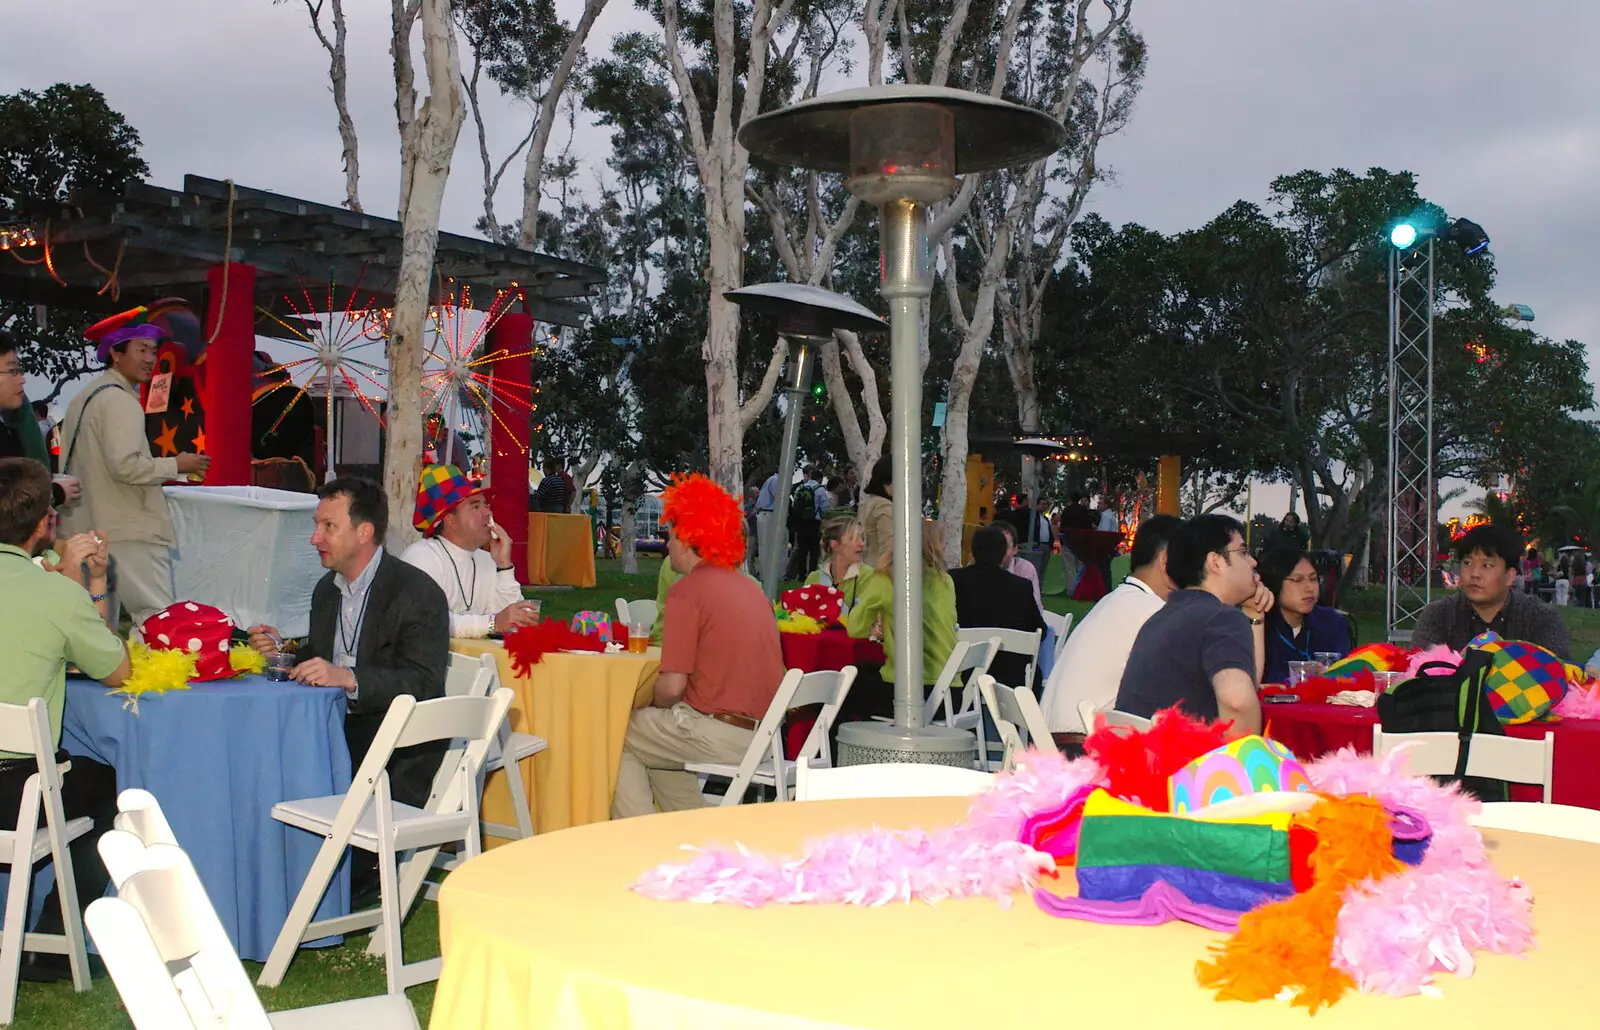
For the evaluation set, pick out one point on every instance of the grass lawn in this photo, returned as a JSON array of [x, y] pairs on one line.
[[333, 974]]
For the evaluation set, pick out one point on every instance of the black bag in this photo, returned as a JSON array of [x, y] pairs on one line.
[[1441, 699]]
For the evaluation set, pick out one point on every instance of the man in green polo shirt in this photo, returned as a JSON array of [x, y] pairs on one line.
[[46, 622]]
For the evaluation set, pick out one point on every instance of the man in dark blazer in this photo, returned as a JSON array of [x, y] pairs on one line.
[[988, 595], [380, 628]]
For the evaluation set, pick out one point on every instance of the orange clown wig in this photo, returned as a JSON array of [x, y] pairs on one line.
[[705, 517]]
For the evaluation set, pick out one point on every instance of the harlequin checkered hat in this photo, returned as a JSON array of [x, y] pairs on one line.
[[440, 489]]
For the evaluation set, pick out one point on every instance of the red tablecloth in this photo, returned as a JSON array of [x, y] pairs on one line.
[[1313, 730], [832, 649]]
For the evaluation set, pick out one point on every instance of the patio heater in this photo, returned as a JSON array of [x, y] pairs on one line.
[[901, 148], [807, 315]]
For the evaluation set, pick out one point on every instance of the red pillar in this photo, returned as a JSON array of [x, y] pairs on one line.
[[228, 366], [508, 439]]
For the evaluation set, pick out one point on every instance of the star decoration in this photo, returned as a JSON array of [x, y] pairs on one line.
[[167, 439], [200, 441], [188, 407]]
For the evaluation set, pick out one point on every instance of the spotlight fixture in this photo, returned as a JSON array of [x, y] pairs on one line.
[[1402, 236]]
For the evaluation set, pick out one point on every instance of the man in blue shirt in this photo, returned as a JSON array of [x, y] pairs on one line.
[[1203, 651]]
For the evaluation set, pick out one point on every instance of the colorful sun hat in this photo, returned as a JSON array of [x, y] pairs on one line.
[[133, 324], [440, 489]]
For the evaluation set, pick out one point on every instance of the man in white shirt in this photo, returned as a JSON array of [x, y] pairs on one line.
[[469, 556], [1090, 666]]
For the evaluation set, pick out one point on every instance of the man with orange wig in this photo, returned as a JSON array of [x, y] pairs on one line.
[[721, 661]]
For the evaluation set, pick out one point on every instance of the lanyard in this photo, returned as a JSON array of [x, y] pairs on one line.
[[361, 617], [1305, 652], [466, 598]]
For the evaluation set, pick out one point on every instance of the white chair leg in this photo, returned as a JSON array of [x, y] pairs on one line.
[[16, 924], [389, 929], [519, 799], [301, 912], [71, 914]]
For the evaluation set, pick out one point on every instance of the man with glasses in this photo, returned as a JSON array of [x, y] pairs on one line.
[[1488, 556], [1204, 650]]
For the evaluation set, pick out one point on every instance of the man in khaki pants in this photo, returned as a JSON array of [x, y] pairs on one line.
[[721, 660], [104, 446]]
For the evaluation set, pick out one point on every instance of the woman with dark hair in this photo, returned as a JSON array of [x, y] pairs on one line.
[[877, 514], [1297, 626]]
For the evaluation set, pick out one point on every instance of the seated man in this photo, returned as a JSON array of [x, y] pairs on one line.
[[47, 621], [988, 595], [1204, 649], [466, 554], [1090, 666], [1488, 556], [721, 661], [379, 628]]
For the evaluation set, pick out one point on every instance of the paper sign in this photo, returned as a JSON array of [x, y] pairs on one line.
[[938, 414], [155, 399]]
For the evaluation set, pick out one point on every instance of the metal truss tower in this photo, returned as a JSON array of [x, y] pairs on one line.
[[1411, 520]]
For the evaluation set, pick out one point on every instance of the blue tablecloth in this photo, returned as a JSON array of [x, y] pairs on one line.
[[218, 756]]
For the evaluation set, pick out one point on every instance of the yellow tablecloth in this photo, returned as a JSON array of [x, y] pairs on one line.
[[560, 550], [544, 933], [580, 704]]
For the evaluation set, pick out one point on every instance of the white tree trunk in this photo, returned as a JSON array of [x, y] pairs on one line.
[[533, 167], [427, 141], [632, 486]]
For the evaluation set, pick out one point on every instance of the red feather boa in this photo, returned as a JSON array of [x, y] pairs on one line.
[[528, 645]]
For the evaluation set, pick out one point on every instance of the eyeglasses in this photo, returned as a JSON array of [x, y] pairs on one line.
[[1241, 551], [17, 372], [1313, 579]]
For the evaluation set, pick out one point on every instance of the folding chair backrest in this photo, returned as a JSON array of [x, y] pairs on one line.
[[159, 884], [467, 676], [829, 689], [1012, 641], [643, 610], [939, 697], [1490, 756], [1018, 703], [26, 729], [973, 664], [1116, 718], [761, 744], [887, 780], [16, 730], [1010, 732], [140, 814]]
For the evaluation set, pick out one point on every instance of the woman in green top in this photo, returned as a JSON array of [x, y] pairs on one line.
[[841, 568], [873, 616]]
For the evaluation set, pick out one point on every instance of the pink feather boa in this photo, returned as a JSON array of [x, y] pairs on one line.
[[1436, 653], [1393, 934], [980, 857], [1396, 932], [1581, 701]]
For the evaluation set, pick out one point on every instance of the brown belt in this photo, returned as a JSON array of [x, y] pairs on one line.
[[744, 722]]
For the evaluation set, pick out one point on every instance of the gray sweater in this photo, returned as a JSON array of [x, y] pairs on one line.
[[1446, 621]]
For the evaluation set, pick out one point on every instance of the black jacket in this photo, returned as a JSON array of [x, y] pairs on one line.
[[404, 649], [987, 595]]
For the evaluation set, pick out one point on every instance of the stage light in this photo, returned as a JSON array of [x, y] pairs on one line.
[[1469, 236], [1403, 235]]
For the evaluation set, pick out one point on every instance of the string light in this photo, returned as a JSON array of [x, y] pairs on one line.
[[17, 234]]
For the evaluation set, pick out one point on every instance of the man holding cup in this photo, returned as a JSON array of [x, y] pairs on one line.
[[469, 556]]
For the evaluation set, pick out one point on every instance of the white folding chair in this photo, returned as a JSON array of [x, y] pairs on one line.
[[1010, 641], [1060, 625], [763, 761], [367, 817], [1112, 717], [636, 611], [887, 780], [172, 962], [26, 730], [1018, 717], [139, 813], [1542, 818], [1491, 756], [479, 676], [971, 658]]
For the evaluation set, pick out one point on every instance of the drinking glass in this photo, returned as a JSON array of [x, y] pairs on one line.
[[1327, 658], [1299, 671], [638, 636], [280, 664]]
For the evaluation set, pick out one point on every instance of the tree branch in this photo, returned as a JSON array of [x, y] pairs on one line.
[[757, 402]]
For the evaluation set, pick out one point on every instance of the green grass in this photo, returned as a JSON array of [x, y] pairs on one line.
[[333, 974]]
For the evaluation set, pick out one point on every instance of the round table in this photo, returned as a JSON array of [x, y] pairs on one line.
[[217, 757], [545, 933]]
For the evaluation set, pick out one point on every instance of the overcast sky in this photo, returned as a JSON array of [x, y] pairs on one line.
[[1492, 104]]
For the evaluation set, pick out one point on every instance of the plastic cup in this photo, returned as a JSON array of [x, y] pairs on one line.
[[280, 664], [1387, 681], [534, 608], [1327, 658], [638, 636], [1300, 671]]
